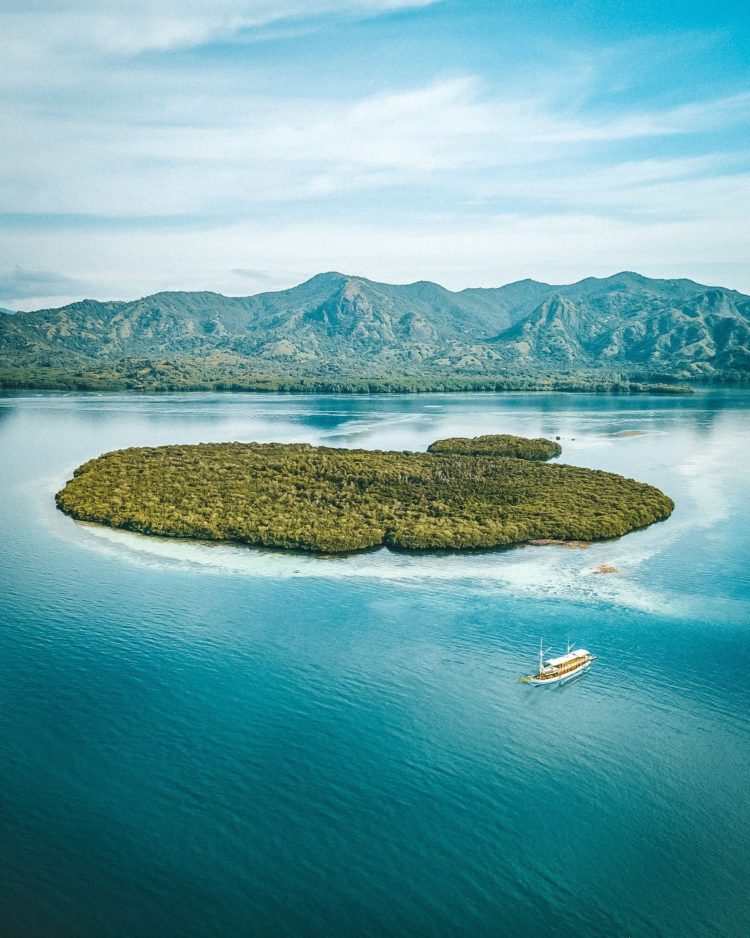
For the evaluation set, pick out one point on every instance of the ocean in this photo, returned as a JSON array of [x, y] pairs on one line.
[[215, 740]]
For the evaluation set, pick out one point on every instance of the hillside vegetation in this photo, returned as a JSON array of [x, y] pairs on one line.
[[339, 328], [336, 500]]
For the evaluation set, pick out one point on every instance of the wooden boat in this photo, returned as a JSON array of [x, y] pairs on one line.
[[557, 670]]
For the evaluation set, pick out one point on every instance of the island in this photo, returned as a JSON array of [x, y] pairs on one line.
[[330, 500], [497, 444]]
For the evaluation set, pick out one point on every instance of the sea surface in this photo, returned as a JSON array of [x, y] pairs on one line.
[[201, 740]]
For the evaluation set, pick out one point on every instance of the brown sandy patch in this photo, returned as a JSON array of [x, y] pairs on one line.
[[541, 542]]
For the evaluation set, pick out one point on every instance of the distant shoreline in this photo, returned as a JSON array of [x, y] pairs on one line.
[[98, 381]]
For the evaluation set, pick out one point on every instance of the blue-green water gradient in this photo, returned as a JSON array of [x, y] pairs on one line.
[[211, 740]]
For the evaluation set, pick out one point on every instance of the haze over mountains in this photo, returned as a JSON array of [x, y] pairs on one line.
[[345, 325]]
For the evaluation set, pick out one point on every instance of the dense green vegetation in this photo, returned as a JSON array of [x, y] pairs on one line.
[[337, 330], [519, 447], [215, 373], [335, 500]]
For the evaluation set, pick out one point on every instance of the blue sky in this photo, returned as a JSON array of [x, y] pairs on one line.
[[246, 145]]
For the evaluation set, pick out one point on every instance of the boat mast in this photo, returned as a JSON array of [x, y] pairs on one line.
[[541, 654]]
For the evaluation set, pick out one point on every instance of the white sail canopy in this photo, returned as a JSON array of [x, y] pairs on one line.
[[566, 659]]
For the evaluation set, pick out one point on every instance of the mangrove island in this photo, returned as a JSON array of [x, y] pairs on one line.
[[464, 494]]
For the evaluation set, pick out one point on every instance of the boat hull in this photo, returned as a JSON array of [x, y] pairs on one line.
[[559, 679]]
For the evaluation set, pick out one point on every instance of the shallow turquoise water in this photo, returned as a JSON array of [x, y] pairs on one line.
[[210, 740]]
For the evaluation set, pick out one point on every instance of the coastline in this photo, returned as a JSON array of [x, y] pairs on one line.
[[64, 380]]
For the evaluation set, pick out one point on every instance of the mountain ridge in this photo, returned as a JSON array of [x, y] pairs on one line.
[[345, 324]]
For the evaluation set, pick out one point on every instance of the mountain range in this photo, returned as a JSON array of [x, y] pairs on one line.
[[346, 325]]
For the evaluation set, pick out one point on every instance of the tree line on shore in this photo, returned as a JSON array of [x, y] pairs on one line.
[[197, 375]]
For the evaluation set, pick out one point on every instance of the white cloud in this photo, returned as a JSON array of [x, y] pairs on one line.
[[451, 251], [208, 156], [529, 180], [130, 27], [23, 284], [696, 117], [711, 186]]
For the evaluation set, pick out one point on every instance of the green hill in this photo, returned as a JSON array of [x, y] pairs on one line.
[[663, 325], [337, 325]]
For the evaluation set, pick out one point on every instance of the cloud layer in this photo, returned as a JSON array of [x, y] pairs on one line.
[[235, 146]]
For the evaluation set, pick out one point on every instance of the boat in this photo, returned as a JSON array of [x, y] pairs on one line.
[[557, 670]]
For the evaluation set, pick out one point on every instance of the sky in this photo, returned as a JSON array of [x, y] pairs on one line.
[[246, 145]]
